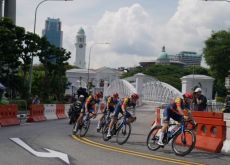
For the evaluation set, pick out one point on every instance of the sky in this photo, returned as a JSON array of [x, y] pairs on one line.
[[136, 29]]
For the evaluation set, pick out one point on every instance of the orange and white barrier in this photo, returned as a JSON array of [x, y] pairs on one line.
[[8, 115], [211, 130], [67, 107], [36, 113], [226, 145], [60, 111], [157, 120], [50, 111]]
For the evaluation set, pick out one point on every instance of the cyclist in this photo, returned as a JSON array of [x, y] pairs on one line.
[[175, 111], [75, 109], [110, 106], [90, 109], [121, 108]]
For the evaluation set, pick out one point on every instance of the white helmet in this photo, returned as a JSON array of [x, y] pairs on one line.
[[81, 96], [198, 90]]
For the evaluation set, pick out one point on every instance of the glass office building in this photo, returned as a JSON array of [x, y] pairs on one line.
[[53, 31]]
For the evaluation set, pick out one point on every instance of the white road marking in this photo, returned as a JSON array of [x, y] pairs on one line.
[[50, 154]]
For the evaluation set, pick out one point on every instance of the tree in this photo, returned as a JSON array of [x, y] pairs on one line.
[[55, 81], [9, 60], [217, 56]]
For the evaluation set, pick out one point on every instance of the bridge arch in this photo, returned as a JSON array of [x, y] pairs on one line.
[[150, 89]]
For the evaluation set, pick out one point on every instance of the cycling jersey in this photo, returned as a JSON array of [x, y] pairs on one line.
[[123, 103], [112, 101], [90, 103], [171, 111], [110, 106]]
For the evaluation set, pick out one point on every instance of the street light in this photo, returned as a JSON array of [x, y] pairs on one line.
[[104, 43], [35, 19]]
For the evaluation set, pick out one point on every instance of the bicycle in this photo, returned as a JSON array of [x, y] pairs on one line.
[[83, 127], [105, 120], [181, 138], [122, 130]]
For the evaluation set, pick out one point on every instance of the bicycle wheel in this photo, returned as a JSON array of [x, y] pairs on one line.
[[105, 132], [183, 143], [84, 128], [153, 138], [123, 133]]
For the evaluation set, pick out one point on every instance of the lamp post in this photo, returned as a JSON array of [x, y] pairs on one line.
[[90, 49], [35, 19], [227, 83]]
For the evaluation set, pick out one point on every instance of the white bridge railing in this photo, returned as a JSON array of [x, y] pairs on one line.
[[122, 87], [157, 91], [150, 89]]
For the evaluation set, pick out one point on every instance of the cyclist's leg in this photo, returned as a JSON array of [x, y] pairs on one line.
[[79, 120], [100, 119], [166, 118], [113, 120], [130, 117]]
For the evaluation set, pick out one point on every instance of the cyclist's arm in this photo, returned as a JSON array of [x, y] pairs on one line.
[[108, 102], [180, 110], [95, 107], [123, 107], [86, 107]]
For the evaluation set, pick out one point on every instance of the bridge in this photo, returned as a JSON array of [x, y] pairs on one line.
[[149, 89]]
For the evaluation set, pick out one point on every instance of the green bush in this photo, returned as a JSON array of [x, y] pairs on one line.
[[220, 99]]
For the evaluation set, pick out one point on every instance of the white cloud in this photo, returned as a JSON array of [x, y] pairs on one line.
[[135, 35], [192, 24], [129, 30]]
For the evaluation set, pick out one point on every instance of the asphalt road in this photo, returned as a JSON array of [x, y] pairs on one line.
[[56, 135]]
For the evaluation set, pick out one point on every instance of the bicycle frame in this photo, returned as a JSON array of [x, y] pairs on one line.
[[120, 125], [181, 128]]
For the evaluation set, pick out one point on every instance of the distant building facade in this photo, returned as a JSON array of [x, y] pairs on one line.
[[80, 49], [8, 9], [80, 78], [53, 31], [189, 58], [182, 59]]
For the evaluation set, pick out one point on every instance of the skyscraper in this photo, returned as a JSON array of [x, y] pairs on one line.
[[80, 49], [53, 31], [9, 9]]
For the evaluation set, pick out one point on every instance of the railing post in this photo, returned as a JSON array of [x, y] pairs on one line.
[[105, 93], [139, 86]]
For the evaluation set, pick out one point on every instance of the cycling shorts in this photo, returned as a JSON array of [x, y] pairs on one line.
[[119, 110], [109, 109], [169, 113], [91, 110]]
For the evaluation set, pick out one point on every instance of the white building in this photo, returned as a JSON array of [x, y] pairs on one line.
[[202, 81], [80, 49], [81, 77]]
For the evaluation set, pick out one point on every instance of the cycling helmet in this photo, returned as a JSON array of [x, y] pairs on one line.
[[135, 96], [99, 95], [81, 96], [115, 95], [188, 95], [198, 90]]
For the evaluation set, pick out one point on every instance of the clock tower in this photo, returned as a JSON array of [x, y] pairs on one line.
[[80, 49]]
